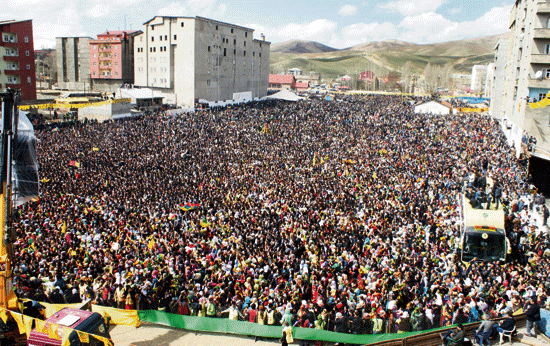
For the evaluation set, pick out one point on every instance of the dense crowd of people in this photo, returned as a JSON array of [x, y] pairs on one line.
[[339, 215]]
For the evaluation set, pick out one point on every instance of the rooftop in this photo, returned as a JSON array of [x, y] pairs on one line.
[[281, 79]]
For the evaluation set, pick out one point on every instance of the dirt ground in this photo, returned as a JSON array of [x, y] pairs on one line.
[[157, 335]]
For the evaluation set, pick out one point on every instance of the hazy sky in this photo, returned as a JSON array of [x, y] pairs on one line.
[[337, 23]]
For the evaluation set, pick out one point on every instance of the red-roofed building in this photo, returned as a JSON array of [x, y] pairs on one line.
[[281, 81], [302, 86]]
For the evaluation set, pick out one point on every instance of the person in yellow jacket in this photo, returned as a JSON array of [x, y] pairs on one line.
[[234, 313], [287, 330], [262, 315]]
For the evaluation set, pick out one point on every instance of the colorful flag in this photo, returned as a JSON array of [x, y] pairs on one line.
[[45, 180], [204, 224], [95, 149], [188, 206], [74, 164]]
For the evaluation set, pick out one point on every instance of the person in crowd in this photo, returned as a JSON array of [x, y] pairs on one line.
[[326, 214]]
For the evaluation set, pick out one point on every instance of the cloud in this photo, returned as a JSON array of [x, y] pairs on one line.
[[432, 27], [355, 34], [347, 10], [99, 10], [412, 7], [204, 8]]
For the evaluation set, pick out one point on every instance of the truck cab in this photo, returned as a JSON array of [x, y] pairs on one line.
[[82, 320]]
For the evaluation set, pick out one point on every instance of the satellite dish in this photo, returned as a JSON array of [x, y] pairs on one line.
[[538, 75]]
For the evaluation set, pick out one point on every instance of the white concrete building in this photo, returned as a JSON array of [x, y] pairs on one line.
[[528, 74], [192, 58], [496, 76], [479, 73]]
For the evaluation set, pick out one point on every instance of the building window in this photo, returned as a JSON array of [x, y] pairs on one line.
[[547, 73], [152, 27], [216, 27], [175, 37], [253, 53], [116, 63], [182, 24], [208, 82], [26, 39], [160, 37], [27, 53], [152, 39], [260, 55], [28, 66], [234, 41], [245, 43], [234, 51], [244, 53], [29, 80], [94, 55], [116, 73], [225, 52], [116, 55], [209, 48], [246, 34], [165, 37], [94, 63], [231, 30], [547, 49]]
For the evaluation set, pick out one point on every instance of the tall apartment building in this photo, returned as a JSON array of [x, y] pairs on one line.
[[192, 58], [17, 64], [73, 63], [528, 73], [112, 60], [496, 80]]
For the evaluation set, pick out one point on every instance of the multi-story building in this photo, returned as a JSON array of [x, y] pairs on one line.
[[73, 63], [496, 77], [192, 58], [17, 65], [528, 74], [479, 73], [112, 60]]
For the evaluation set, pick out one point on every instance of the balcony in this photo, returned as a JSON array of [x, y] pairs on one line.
[[540, 59], [543, 8], [539, 83], [105, 67], [104, 58], [106, 50], [11, 57], [542, 33], [12, 71], [13, 84]]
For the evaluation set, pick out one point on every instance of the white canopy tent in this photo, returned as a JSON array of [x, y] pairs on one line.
[[285, 95]]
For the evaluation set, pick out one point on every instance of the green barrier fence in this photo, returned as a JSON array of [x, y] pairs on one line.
[[224, 325]]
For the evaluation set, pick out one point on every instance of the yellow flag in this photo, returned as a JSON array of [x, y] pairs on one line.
[[19, 319], [53, 331], [83, 337], [77, 164], [4, 315], [41, 326], [45, 180], [314, 159], [28, 324], [65, 337], [151, 244], [95, 149]]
